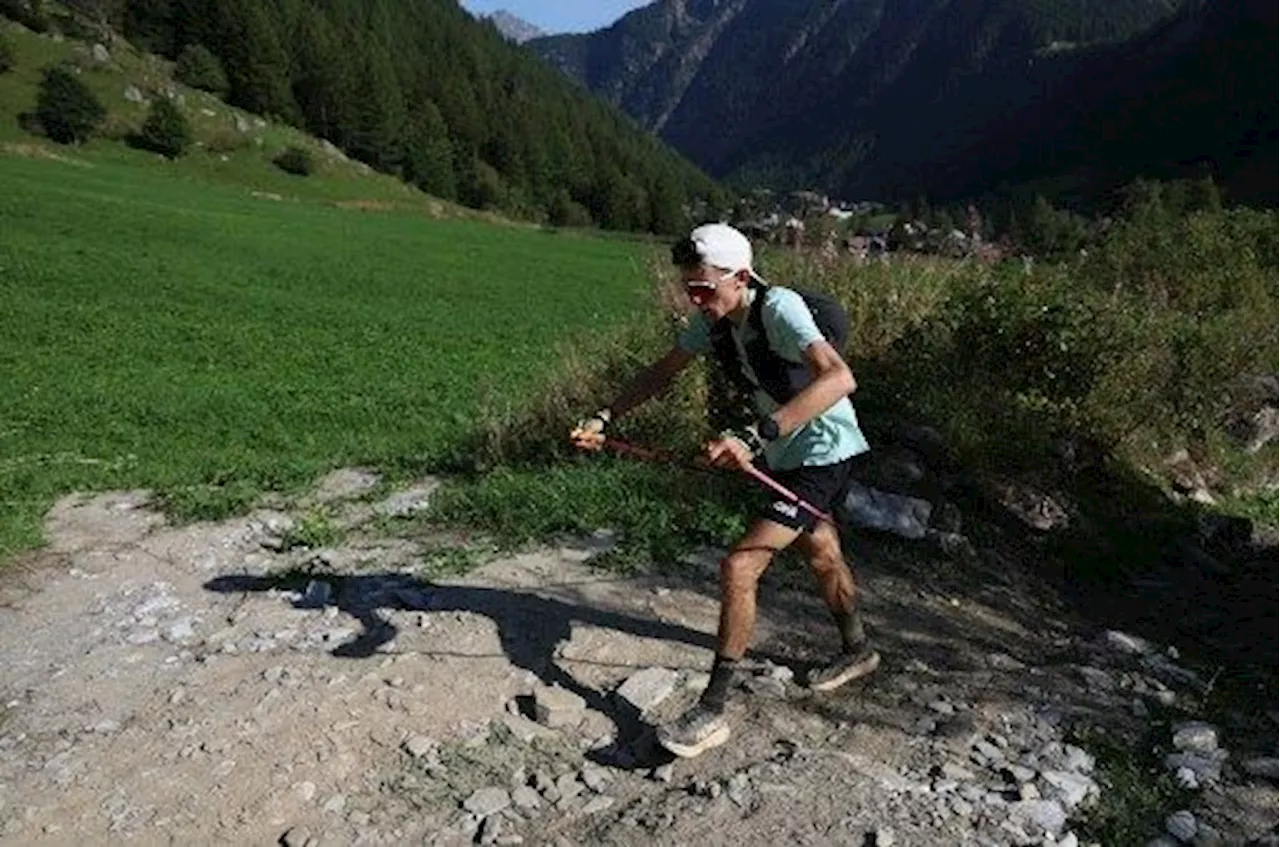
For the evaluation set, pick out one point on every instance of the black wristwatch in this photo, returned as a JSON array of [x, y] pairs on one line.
[[768, 429]]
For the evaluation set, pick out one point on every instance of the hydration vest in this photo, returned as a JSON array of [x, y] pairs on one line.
[[778, 377]]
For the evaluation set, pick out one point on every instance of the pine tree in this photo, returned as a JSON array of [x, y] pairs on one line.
[[666, 215], [6, 54], [150, 25], [257, 65], [166, 130], [66, 108], [199, 68], [420, 89], [380, 114], [324, 79], [428, 158]]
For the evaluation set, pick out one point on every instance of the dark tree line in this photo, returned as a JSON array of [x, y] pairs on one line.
[[424, 91]]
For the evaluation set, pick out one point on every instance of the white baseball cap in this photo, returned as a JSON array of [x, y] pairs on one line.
[[718, 245]]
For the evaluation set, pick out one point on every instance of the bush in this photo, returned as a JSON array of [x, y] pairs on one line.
[[565, 211], [66, 108], [29, 13], [1135, 348], [166, 130], [72, 27], [199, 68], [295, 160], [6, 54], [226, 141]]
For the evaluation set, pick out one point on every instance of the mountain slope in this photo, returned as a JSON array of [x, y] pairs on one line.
[[514, 28], [870, 98], [426, 91], [1196, 95]]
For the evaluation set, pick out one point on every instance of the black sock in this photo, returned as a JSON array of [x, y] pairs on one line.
[[717, 691], [851, 632]]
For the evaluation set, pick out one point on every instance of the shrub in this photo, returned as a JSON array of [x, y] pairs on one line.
[[226, 141], [166, 130], [73, 27], [29, 13], [565, 211], [199, 68], [295, 160], [6, 54], [1135, 348], [66, 108]]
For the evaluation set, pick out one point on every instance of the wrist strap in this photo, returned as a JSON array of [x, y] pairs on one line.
[[749, 436]]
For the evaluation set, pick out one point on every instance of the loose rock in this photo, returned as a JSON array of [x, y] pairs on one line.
[[648, 688], [1038, 816], [556, 707], [1195, 737], [1181, 825], [419, 746], [1122, 642], [487, 801], [1070, 788], [297, 837], [1263, 768]]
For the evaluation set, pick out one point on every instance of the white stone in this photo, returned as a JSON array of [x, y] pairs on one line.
[[405, 503], [1207, 766], [1195, 737], [1020, 773], [598, 804], [487, 801], [1078, 759], [1181, 825], [556, 707], [594, 778], [1123, 642], [419, 746], [1070, 788], [1096, 678], [1004, 662], [181, 631], [646, 689], [525, 797], [1263, 768], [1038, 815], [523, 728]]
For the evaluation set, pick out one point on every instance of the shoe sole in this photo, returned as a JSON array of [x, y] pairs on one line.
[[688, 751], [862, 668]]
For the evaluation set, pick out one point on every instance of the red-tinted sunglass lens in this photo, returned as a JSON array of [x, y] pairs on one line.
[[699, 293]]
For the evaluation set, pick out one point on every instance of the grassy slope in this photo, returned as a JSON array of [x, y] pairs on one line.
[[216, 321], [222, 153]]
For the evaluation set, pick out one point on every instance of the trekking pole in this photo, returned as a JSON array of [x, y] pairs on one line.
[[655, 455]]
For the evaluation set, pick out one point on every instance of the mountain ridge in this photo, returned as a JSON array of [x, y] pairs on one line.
[[864, 98], [513, 27]]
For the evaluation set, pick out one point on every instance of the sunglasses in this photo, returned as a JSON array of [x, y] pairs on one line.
[[700, 290]]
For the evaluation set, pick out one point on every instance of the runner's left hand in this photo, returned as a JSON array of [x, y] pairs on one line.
[[730, 452]]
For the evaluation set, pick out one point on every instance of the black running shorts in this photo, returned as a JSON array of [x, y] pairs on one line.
[[819, 485]]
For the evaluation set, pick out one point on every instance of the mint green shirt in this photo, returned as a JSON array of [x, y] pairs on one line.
[[832, 436]]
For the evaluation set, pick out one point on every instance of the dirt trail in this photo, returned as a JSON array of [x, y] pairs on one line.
[[185, 685]]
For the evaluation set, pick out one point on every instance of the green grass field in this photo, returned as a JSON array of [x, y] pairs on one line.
[[189, 337]]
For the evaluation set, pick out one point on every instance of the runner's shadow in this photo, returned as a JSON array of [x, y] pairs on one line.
[[530, 627]]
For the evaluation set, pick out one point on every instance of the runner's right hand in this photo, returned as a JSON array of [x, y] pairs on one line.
[[589, 434]]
